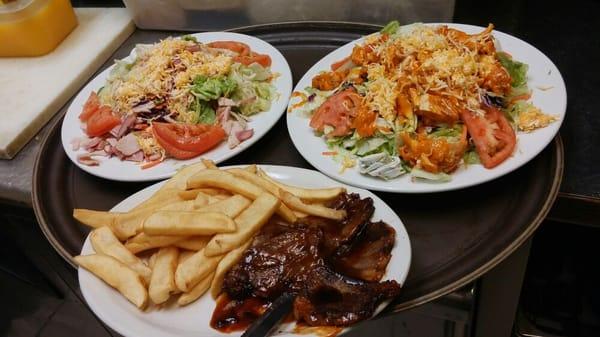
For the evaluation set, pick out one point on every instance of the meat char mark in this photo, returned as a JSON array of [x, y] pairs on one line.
[[330, 298]]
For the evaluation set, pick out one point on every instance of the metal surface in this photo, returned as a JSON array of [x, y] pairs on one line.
[[216, 14], [456, 236]]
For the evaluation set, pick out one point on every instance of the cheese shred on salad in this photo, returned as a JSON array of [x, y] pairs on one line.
[[422, 100], [177, 98]]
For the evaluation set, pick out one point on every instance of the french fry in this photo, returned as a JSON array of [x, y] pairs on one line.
[[226, 180], [185, 205], [201, 200], [251, 168], [143, 241], [183, 256], [248, 223], [231, 206], [162, 283], [191, 194], [158, 199], [317, 194], [312, 209], [194, 269], [256, 180], [197, 291], [105, 242], [299, 214], [194, 243], [117, 275], [228, 261], [188, 223], [209, 164], [123, 225], [179, 180]]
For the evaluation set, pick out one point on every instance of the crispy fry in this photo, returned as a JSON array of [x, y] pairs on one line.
[[105, 242], [194, 269], [193, 243], [188, 223], [317, 194], [162, 283], [123, 225], [209, 164], [300, 214], [186, 205], [179, 180], [231, 206], [226, 180], [197, 291], [228, 261], [117, 275], [184, 255], [191, 194], [251, 168], [201, 200], [143, 241], [312, 209], [248, 223], [159, 198]]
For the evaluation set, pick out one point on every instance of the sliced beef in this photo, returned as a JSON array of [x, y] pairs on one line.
[[338, 235], [330, 298], [368, 257], [278, 261]]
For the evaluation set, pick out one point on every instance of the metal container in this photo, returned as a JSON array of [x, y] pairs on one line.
[[202, 15]]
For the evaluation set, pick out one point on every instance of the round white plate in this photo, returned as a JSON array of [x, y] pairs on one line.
[[193, 320], [542, 74], [115, 169]]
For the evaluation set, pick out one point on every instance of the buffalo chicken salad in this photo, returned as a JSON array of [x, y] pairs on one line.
[[177, 98], [421, 100]]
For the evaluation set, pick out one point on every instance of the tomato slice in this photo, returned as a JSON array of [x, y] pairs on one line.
[[101, 122], [90, 107], [238, 47], [262, 59], [184, 141], [494, 138], [337, 111]]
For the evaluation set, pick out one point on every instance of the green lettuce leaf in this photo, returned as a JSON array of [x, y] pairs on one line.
[[211, 88], [204, 113], [390, 28], [516, 69]]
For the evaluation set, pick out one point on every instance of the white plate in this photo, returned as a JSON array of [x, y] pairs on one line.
[[542, 74], [116, 169], [193, 320]]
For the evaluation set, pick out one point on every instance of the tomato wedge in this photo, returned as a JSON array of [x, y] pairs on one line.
[[494, 138], [183, 141], [101, 122], [90, 107], [337, 112], [262, 59], [238, 47]]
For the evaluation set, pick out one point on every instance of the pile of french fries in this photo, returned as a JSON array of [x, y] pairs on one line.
[[184, 238]]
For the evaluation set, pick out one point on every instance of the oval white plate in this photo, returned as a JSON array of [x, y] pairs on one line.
[[116, 169], [542, 74], [193, 320]]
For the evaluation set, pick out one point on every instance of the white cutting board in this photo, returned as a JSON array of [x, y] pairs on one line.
[[33, 89]]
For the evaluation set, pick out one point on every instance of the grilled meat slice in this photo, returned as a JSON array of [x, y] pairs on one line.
[[338, 236], [329, 298], [368, 257], [279, 261]]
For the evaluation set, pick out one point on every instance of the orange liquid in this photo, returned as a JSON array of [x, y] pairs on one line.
[[37, 29]]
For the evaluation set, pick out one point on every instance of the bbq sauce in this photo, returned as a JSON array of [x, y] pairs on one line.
[[237, 315]]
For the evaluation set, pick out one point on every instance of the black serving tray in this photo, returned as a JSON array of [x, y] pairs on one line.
[[456, 236]]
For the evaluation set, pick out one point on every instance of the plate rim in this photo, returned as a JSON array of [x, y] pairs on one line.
[[380, 185], [400, 232], [282, 93]]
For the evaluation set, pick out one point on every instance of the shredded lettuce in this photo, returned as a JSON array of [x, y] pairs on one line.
[[211, 88], [471, 157], [516, 69], [204, 113], [441, 177], [252, 87], [390, 28], [189, 38]]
